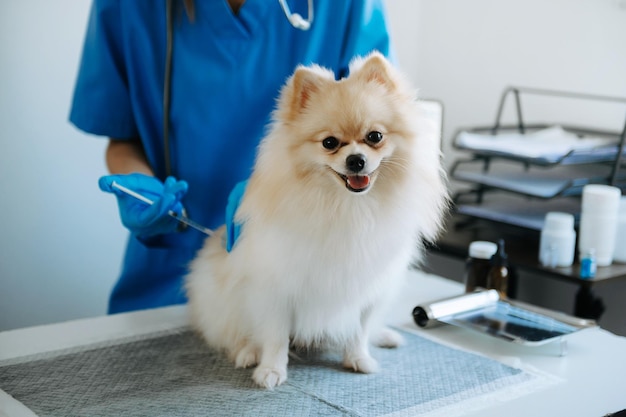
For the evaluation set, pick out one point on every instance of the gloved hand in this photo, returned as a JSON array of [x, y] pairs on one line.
[[233, 228], [139, 217]]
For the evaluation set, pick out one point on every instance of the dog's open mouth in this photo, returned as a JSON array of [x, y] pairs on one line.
[[356, 183]]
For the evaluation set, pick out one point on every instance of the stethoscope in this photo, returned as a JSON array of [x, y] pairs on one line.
[[295, 19]]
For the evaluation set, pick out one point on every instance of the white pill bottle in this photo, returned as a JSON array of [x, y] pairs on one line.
[[557, 245], [619, 254], [598, 222]]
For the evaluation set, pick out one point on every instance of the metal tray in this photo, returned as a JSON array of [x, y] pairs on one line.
[[486, 312]]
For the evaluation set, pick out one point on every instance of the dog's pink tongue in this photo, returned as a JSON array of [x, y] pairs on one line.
[[358, 182]]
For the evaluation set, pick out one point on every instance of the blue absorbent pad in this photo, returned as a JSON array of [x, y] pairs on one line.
[[174, 373]]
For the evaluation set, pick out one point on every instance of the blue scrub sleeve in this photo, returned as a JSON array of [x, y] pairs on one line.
[[101, 104]]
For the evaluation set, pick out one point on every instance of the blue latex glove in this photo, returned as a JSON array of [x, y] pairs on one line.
[[233, 229], [143, 219]]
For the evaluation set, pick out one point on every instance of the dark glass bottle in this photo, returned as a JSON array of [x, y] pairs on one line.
[[478, 264], [498, 277]]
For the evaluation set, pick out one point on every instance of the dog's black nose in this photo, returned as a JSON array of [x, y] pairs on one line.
[[356, 163]]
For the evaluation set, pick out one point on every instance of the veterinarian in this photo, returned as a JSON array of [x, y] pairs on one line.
[[183, 90]]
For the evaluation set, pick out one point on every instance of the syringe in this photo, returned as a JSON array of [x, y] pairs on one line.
[[180, 218]]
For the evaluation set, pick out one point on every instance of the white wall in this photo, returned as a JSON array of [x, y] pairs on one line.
[[465, 52], [60, 238]]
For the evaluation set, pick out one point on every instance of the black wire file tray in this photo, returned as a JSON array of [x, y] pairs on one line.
[[541, 161], [541, 144], [558, 181]]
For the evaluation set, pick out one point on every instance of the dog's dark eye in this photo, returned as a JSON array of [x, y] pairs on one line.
[[374, 137], [330, 143]]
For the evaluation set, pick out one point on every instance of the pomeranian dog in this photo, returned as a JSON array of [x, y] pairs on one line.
[[346, 187]]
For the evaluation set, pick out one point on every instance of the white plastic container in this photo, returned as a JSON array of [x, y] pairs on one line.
[[598, 222], [619, 254], [558, 240]]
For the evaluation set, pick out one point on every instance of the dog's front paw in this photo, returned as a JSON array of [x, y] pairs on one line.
[[269, 377], [246, 357], [387, 338], [363, 364]]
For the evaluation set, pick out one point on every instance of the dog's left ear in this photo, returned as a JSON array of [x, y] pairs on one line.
[[375, 68]]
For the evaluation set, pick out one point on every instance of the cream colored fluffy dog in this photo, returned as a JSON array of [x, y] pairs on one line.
[[346, 186]]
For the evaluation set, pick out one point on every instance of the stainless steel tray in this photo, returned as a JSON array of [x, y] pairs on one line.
[[486, 312]]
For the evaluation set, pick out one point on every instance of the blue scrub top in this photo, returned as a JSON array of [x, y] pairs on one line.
[[227, 71]]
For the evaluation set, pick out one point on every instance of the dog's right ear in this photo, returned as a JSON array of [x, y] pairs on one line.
[[374, 68], [305, 83]]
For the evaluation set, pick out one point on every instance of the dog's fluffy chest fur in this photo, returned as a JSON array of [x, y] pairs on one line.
[[340, 256], [324, 279]]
